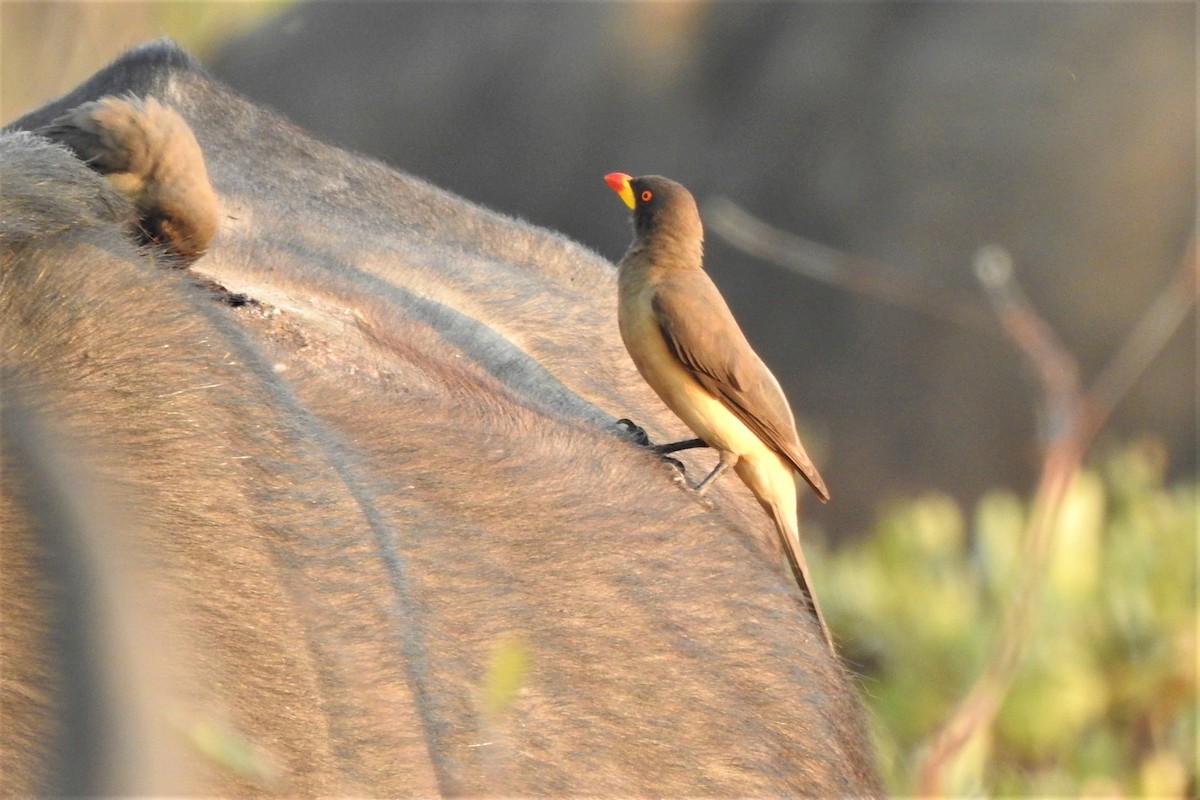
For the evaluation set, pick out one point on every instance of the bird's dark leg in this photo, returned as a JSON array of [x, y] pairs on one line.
[[638, 435], [727, 460], [634, 431], [675, 447]]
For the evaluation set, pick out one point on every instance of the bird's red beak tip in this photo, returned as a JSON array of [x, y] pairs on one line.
[[619, 183], [616, 180]]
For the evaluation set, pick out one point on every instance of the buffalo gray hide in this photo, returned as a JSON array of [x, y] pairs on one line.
[[394, 461]]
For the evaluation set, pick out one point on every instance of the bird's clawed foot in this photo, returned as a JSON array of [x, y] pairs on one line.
[[638, 436], [636, 433]]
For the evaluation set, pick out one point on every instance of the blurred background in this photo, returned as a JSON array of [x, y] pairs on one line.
[[901, 137]]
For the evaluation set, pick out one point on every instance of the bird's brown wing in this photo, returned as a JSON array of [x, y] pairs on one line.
[[702, 334]]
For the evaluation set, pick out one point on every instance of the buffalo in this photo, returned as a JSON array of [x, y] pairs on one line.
[[338, 502]]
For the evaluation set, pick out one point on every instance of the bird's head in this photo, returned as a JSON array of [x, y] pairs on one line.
[[659, 204]]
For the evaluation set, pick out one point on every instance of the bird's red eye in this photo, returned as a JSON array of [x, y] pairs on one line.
[[646, 195]]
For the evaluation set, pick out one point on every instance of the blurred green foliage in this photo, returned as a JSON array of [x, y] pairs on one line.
[[1105, 700], [201, 26]]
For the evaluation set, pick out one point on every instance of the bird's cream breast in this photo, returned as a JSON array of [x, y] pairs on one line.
[[707, 416]]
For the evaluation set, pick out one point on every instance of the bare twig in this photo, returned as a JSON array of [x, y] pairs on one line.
[[1147, 339], [816, 261], [1061, 410], [1074, 419], [1056, 367]]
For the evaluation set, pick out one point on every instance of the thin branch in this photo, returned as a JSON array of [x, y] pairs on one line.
[[1147, 339], [1075, 419], [1060, 407], [816, 261], [1056, 367]]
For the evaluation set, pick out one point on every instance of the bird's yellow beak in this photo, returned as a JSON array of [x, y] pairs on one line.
[[619, 183]]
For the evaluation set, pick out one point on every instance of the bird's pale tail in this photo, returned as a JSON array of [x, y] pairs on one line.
[[787, 526]]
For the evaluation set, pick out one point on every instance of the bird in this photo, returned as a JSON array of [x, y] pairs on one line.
[[686, 344], [150, 154]]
